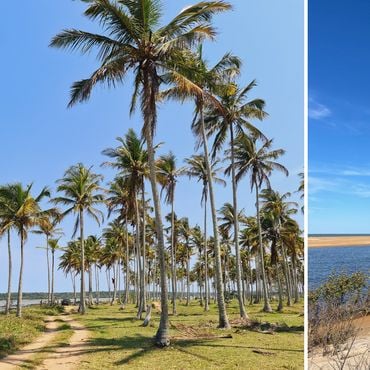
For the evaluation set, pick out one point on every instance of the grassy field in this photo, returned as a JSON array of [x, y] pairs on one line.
[[15, 332], [119, 340]]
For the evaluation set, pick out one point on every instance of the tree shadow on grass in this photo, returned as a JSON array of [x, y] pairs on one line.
[[208, 343]]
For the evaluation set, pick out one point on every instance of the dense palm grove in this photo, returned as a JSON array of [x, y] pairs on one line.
[[145, 255]]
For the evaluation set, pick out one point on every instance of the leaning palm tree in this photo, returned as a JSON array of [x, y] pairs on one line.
[[197, 168], [167, 174], [239, 112], [24, 213], [134, 41], [81, 194], [258, 162]]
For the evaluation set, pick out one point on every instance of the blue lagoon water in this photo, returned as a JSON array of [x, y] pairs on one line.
[[323, 261]]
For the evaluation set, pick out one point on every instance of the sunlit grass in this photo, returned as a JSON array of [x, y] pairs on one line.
[[16, 332], [119, 340]]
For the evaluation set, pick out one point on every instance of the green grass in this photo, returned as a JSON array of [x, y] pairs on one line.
[[16, 332], [119, 340]]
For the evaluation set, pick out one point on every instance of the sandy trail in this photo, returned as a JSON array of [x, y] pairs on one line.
[[13, 361], [70, 356], [65, 357]]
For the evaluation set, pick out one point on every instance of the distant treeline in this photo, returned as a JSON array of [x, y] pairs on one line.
[[43, 295]]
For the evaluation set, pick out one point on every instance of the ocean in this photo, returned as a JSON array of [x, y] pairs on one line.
[[323, 261]]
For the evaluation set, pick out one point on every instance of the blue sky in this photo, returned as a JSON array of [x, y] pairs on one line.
[[339, 116], [40, 137]]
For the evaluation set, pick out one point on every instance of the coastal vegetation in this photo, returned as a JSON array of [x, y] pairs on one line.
[[337, 310], [246, 271]]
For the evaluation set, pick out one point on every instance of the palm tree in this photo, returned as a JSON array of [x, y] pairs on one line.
[[167, 177], [278, 209], [131, 160], [301, 188], [135, 42], [239, 112], [197, 168], [118, 200], [6, 215], [259, 163], [210, 81], [185, 231], [81, 193], [54, 246], [24, 212], [70, 262], [49, 229]]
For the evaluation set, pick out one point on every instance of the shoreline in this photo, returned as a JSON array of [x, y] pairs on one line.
[[338, 241]]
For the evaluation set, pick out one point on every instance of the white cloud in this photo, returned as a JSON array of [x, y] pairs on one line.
[[317, 110]]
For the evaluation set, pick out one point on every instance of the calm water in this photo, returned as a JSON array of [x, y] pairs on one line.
[[323, 261]]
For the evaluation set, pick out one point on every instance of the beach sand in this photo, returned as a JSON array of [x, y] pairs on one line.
[[338, 241]]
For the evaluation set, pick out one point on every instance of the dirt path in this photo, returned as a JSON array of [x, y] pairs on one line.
[[70, 356], [23, 356], [66, 357]]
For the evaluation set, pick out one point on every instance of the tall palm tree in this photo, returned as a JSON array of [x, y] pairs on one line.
[[70, 262], [49, 229], [81, 194], [131, 159], [238, 113], [119, 200], [185, 231], [24, 212], [227, 216], [6, 216], [54, 246], [258, 162], [167, 176], [210, 80], [197, 168], [134, 41]]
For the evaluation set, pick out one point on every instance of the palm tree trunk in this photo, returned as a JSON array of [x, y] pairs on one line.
[[48, 263], [140, 295], [243, 313], [73, 276], [295, 278], [143, 278], [223, 319], [287, 276], [187, 274], [162, 335], [280, 305], [9, 295], [52, 276], [90, 287], [82, 308], [20, 281], [173, 256], [127, 265], [266, 305], [206, 292]]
